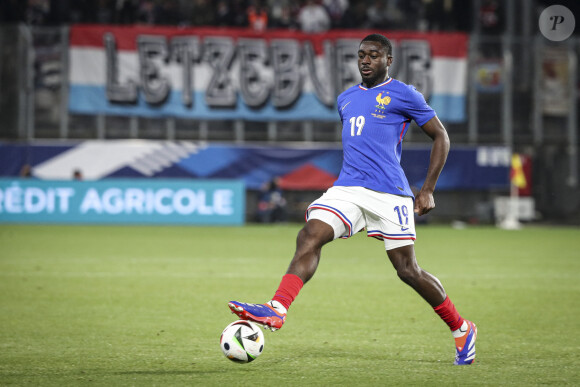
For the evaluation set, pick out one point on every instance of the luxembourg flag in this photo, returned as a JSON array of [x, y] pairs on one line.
[[231, 73]]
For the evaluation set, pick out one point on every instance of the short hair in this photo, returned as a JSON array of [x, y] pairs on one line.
[[383, 40]]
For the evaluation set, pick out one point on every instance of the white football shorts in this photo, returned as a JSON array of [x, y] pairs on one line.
[[350, 209]]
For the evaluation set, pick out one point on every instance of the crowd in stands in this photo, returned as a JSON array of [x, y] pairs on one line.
[[310, 16]]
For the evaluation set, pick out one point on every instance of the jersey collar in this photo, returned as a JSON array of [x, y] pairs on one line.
[[382, 84]]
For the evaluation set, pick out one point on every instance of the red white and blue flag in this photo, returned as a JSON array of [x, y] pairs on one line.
[[229, 73]]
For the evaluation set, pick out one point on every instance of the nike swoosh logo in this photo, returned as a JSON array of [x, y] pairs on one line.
[[404, 228], [342, 108]]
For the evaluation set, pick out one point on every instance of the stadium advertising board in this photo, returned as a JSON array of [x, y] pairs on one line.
[[227, 73], [143, 201], [311, 168]]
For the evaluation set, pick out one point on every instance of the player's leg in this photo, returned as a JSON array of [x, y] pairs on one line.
[[424, 283], [325, 222], [309, 242], [390, 218], [327, 219], [430, 288]]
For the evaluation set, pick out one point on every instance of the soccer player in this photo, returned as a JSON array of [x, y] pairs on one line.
[[372, 192]]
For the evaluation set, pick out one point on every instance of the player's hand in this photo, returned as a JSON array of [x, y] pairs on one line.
[[424, 202]]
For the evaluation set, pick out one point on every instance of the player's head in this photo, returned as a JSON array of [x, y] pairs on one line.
[[374, 59], [383, 40]]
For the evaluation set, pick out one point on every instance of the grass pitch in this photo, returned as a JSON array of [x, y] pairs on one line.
[[145, 306]]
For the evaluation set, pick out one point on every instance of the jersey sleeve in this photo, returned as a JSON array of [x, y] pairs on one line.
[[338, 105], [416, 108]]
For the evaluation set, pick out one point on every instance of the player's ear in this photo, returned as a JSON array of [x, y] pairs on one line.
[[389, 60]]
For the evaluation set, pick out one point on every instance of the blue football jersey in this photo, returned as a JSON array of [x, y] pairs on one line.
[[374, 123]]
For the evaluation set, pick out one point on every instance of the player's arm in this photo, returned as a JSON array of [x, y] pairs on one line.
[[424, 201]]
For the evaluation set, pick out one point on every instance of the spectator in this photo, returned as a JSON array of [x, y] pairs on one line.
[[59, 12], [26, 171], [223, 15], [168, 13], [257, 16], [490, 17], [146, 14], [377, 15], [413, 13], [439, 15], [283, 13], [203, 13], [239, 14], [83, 11], [313, 18], [355, 16], [77, 175], [271, 203], [383, 13], [336, 10], [125, 11], [104, 12], [37, 12]]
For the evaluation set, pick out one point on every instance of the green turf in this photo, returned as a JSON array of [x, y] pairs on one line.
[[145, 306]]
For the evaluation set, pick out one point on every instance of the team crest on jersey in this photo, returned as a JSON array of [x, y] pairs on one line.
[[382, 103]]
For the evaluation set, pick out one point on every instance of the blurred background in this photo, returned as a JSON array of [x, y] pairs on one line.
[[102, 93]]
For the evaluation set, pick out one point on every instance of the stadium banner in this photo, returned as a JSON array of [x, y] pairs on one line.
[[123, 201], [297, 167], [230, 73]]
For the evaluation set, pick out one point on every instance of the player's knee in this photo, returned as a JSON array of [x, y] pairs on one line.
[[408, 273], [306, 237], [313, 235]]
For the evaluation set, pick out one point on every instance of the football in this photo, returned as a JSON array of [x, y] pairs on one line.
[[242, 341]]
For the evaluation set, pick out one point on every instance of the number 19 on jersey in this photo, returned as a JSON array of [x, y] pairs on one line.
[[358, 123]]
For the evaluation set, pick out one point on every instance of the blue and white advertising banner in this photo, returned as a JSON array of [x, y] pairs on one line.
[[123, 201], [298, 168]]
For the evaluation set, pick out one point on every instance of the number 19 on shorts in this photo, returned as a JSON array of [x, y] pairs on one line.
[[403, 214]]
